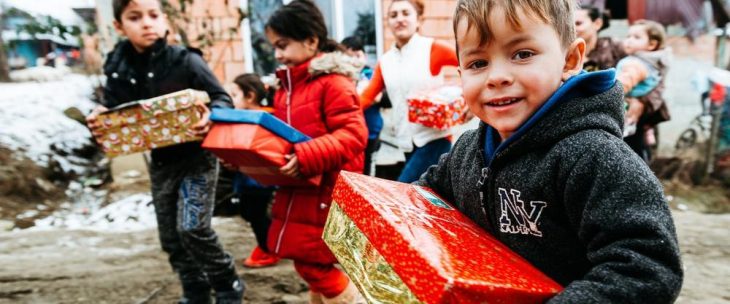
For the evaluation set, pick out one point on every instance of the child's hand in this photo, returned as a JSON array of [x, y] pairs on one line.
[[291, 169], [92, 122], [203, 125], [636, 109]]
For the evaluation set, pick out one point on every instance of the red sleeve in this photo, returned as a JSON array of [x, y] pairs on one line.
[[347, 135], [376, 85], [442, 55]]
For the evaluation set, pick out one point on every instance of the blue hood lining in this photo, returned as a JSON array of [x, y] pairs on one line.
[[582, 85]]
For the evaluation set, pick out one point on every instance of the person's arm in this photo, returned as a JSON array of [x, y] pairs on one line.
[[630, 73], [376, 85], [617, 206], [347, 134], [204, 80], [442, 55]]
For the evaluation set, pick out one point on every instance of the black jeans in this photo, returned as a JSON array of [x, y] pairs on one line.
[[183, 194]]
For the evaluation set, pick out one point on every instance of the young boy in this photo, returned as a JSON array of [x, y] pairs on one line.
[[183, 176], [546, 172]]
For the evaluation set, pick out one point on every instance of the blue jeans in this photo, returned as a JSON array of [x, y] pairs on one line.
[[418, 161]]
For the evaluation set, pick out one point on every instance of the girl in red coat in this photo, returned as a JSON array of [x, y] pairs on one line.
[[316, 96]]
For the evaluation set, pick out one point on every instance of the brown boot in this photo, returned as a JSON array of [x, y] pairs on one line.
[[349, 296], [315, 298]]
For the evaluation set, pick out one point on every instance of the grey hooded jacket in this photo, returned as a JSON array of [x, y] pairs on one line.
[[570, 197]]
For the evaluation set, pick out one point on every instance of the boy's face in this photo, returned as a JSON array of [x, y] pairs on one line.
[[509, 78], [142, 22]]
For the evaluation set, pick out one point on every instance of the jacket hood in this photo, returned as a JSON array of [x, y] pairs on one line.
[[327, 63], [585, 101], [336, 63]]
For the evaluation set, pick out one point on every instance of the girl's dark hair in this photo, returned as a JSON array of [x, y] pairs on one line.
[[252, 83], [594, 13], [301, 20]]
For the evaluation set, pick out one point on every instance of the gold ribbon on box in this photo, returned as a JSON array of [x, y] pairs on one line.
[[375, 279]]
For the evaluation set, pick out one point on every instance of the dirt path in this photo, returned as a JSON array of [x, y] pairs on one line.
[[97, 267], [94, 267]]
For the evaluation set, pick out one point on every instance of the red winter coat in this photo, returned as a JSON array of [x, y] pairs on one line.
[[318, 100]]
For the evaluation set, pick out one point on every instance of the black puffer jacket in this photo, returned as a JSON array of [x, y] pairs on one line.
[[160, 70], [568, 195]]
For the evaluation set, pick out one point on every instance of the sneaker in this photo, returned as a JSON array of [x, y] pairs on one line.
[[232, 296], [260, 258]]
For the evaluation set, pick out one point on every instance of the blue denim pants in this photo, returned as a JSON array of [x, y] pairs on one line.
[[418, 161]]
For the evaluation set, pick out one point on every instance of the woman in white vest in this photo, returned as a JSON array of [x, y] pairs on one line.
[[414, 63]]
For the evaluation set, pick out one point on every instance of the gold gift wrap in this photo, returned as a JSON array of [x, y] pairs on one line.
[[151, 123], [375, 279]]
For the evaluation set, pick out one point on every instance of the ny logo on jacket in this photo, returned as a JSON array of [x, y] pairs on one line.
[[514, 219]]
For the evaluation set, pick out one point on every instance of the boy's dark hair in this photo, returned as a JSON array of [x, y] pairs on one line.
[[594, 13], [655, 31], [301, 20], [252, 83], [556, 13], [353, 43], [118, 7]]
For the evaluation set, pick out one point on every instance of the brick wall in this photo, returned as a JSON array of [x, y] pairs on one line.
[[225, 57]]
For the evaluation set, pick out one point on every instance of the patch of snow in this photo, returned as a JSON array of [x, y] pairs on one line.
[[40, 74], [34, 122], [133, 213]]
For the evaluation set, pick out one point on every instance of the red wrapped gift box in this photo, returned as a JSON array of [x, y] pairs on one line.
[[436, 254], [441, 109], [255, 150]]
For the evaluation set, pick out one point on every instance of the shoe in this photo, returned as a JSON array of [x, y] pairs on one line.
[[349, 296], [232, 296], [195, 293], [260, 258]]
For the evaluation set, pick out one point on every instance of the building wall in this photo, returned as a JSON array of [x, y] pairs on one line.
[[225, 57]]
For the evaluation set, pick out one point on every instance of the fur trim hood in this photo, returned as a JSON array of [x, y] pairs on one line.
[[336, 63]]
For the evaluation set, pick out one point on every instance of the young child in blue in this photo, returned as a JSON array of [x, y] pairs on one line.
[[183, 177], [254, 199], [546, 172], [373, 119], [641, 73]]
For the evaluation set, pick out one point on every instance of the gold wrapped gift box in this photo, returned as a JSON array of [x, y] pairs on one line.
[[364, 265], [151, 123]]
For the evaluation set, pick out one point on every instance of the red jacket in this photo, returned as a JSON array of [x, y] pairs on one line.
[[318, 100]]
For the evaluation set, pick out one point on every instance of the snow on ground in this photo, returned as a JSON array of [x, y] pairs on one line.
[[132, 213], [33, 119]]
